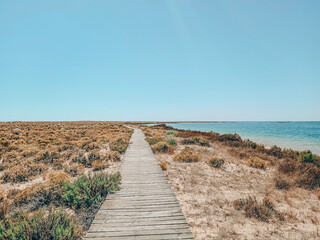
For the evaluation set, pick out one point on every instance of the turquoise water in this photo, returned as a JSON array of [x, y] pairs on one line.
[[294, 135]]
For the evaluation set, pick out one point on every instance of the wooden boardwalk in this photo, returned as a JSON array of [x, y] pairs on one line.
[[145, 207]]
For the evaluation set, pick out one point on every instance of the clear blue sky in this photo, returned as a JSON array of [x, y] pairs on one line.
[[159, 60]]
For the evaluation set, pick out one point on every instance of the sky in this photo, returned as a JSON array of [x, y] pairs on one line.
[[164, 60]]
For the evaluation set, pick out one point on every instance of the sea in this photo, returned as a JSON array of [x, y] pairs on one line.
[[291, 135]]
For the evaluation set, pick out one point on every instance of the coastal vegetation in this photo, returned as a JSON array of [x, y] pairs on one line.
[[234, 188], [56, 174]]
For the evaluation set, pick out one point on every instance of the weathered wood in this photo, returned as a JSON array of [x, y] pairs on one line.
[[145, 207]]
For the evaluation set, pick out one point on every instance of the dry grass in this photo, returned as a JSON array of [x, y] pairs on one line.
[[206, 194], [28, 150], [36, 157]]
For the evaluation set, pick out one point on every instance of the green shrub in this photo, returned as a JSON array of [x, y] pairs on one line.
[[88, 190], [308, 157], [45, 226], [171, 133], [172, 141]]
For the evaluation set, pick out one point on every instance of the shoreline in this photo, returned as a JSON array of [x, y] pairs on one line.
[[284, 141]]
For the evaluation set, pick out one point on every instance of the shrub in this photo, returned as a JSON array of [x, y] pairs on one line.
[[187, 155], [73, 169], [98, 165], [196, 140], [188, 141], [171, 133], [261, 211], [153, 141], [93, 156], [88, 146], [257, 162], [216, 162], [114, 156], [281, 183], [305, 175], [202, 142], [45, 193], [47, 157], [288, 167], [275, 151], [89, 190], [21, 173], [88, 159], [308, 176], [230, 138], [308, 157], [161, 147], [163, 166], [119, 145], [172, 141], [188, 134], [46, 226]]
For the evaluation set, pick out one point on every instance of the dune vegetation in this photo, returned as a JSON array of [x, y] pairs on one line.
[[232, 188], [56, 175]]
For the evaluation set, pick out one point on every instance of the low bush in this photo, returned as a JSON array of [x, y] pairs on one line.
[[98, 165], [55, 224], [304, 174], [187, 155], [153, 141], [21, 173], [163, 166], [202, 142], [171, 133], [47, 157], [87, 159], [230, 138], [308, 157], [88, 146], [188, 141], [172, 141], [216, 162], [308, 176], [262, 211], [119, 145], [114, 156], [162, 147], [89, 190], [74, 169], [257, 162], [44, 193], [187, 134], [281, 183], [288, 167]]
